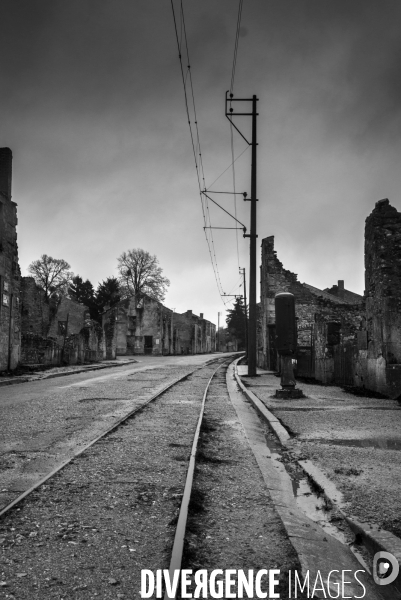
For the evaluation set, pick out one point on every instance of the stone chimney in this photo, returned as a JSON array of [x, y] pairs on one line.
[[340, 287], [6, 159], [201, 315]]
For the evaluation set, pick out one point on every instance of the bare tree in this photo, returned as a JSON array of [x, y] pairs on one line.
[[140, 274], [51, 274]]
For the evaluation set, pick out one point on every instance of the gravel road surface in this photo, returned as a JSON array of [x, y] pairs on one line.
[[90, 530]]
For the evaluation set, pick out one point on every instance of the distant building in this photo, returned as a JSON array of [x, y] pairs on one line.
[[227, 342], [10, 316], [195, 335], [142, 325]]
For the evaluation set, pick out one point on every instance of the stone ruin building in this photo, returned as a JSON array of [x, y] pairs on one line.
[[343, 338], [36, 330], [142, 325], [56, 330]]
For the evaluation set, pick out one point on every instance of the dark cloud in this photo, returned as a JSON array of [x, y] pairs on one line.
[[93, 108]]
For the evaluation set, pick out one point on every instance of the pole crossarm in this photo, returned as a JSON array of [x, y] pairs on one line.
[[211, 227], [231, 193], [226, 211], [230, 113], [235, 127], [234, 295]]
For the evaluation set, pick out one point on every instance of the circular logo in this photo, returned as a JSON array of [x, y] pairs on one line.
[[385, 568]]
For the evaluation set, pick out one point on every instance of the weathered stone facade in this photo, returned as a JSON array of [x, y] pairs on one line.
[[56, 330], [10, 312], [380, 363], [195, 335], [226, 341], [138, 326], [310, 302], [344, 338], [144, 326]]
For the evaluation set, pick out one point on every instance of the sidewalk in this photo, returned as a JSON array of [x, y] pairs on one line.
[[67, 370], [350, 441]]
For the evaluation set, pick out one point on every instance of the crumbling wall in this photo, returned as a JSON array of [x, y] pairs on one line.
[[56, 331], [109, 319], [35, 308], [39, 350], [327, 320], [10, 310], [186, 332], [274, 280], [383, 299], [68, 319]]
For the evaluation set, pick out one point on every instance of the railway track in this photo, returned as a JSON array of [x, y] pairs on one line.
[[73, 506], [173, 485], [85, 447]]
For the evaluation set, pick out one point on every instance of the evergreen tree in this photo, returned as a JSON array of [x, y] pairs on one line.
[[236, 321], [108, 292], [83, 291]]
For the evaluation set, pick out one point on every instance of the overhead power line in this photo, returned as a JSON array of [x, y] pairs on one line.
[[236, 45], [231, 127], [186, 75]]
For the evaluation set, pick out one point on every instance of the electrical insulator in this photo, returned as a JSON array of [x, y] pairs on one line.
[[286, 326]]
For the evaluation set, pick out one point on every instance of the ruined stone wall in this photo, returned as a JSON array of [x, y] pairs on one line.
[[195, 335], [68, 319], [327, 323], [383, 298], [208, 336], [109, 319], [185, 332], [39, 350], [139, 318], [274, 280], [153, 320], [10, 310], [134, 320], [35, 309], [338, 333]]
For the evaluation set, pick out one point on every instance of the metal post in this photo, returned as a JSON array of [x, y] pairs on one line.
[[252, 341], [252, 327], [218, 332], [246, 311], [172, 331]]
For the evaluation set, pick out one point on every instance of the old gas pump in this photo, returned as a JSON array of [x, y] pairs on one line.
[[286, 341]]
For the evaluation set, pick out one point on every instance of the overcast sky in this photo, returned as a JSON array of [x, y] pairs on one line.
[[92, 106]]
